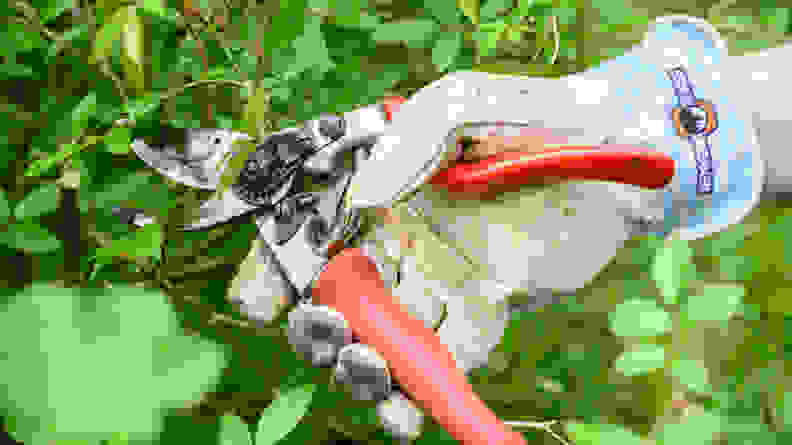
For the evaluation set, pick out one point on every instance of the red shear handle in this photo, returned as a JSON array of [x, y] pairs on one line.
[[422, 364], [626, 164]]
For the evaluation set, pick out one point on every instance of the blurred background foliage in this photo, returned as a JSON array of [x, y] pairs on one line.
[[628, 359]]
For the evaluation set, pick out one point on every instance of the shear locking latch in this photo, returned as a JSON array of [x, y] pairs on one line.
[[696, 120]]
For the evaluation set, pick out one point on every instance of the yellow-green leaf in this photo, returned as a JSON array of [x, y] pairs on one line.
[[132, 58], [471, 9], [284, 414], [154, 6], [107, 35], [118, 140]]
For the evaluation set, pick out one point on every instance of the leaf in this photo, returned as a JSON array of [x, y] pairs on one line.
[[142, 243], [131, 337], [444, 11], [446, 50], [699, 428], [283, 414], [55, 9], [154, 7], [692, 374], [487, 42], [491, 9], [107, 35], [81, 113], [672, 268], [598, 434], [39, 202], [310, 50], [287, 20], [5, 210], [716, 302], [30, 237], [18, 38], [42, 165], [639, 318], [471, 9], [142, 106], [119, 140], [777, 19], [132, 56], [413, 32], [11, 70], [641, 360], [114, 193], [233, 431], [785, 410]]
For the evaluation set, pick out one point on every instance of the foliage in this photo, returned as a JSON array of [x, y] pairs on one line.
[[95, 365]]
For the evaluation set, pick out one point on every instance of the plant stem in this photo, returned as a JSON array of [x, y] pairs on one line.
[[176, 91]]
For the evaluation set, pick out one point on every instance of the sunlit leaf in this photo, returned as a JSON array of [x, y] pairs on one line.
[[119, 140], [491, 8], [444, 11], [715, 302], [692, 374], [413, 32], [5, 210], [107, 35], [699, 428], [283, 414], [55, 8], [79, 352], [471, 9], [39, 202], [287, 20], [639, 318], [672, 268], [233, 431], [132, 57], [642, 359], [67, 37], [140, 107], [785, 410], [116, 192], [446, 50], [310, 49], [142, 243], [597, 434], [155, 7], [81, 113], [40, 166], [487, 42], [30, 237]]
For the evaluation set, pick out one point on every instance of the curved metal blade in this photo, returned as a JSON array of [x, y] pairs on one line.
[[199, 163], [219, 209]]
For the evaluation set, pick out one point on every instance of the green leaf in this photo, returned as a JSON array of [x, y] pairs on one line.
[[692, 374], [639, 318], [598, 434], [716, 302], [11, 70], [446, 50], [119, 140], [283, 414], [5, 210], [487, 42], [641, 360], [413, 32], [132, 56], [134, 340], [233, 431], [117, 192], [17, 38], [785, 410], [107, 35], [699, 428], [287, 21], [310, 50], [67, 37], [42, 165], [55, 8], [140, 107], [154, 7], [444, 11], [30, 237], [471, 9], [672, 269], [142, 243], [39, 202], [81, 113], [491, 9], [778, 19]]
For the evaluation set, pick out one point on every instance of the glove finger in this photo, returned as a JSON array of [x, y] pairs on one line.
[[400, 416], [318, 333], [363, 372]]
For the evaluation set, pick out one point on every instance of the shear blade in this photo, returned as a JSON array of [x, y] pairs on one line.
[[200, 160], [219, 209]]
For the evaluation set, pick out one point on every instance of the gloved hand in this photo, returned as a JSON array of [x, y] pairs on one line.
[[469, 326]]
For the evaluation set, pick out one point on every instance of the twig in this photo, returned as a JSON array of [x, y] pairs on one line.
[[108, 71], [545, 426], [553, 20], [175, 92]]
